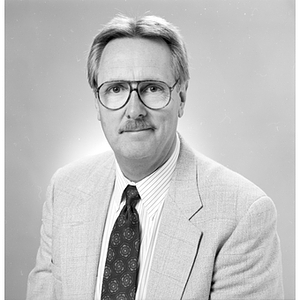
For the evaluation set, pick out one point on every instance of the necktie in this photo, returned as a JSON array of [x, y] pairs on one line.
[[122, 261]]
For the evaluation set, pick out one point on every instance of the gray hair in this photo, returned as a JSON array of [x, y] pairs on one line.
[[151, 27]]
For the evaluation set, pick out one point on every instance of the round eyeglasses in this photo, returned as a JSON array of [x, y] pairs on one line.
[[152, 93]]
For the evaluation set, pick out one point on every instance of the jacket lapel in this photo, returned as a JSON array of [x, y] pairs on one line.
[[83, 226], [178, 238]]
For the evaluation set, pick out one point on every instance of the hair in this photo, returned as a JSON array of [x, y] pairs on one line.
[[150, 27]]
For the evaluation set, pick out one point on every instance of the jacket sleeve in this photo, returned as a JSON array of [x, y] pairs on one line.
[[248, 265], [40, 283]]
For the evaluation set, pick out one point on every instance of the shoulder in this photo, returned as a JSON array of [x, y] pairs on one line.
[[75, 182], [215, 175], [225, 192], [84, 168]]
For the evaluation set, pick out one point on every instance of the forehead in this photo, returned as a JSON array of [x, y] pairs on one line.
[[136, 59]]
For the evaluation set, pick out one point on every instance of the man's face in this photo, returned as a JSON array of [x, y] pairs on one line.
[[153, 141]]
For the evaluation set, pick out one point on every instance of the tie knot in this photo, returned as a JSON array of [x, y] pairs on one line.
[[132, 195]]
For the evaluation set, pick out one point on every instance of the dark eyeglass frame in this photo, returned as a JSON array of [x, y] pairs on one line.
[[171, 88]]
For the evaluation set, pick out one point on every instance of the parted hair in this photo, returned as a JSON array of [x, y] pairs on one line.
[[151, 27]]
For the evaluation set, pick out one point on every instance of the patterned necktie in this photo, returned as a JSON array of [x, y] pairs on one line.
[[122, 261]]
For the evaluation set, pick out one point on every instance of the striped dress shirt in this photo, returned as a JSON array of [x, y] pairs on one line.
[[153, 191]]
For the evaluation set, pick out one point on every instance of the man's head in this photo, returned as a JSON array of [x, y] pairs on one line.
[[138, 71], [150, 27]]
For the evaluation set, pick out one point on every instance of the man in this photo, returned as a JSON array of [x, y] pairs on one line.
[[153, 219]]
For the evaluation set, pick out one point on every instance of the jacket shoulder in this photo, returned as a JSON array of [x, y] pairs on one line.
[[81, 175], [71, 184], [85, 167], [225, 191]]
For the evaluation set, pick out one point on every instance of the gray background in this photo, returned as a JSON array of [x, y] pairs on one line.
[[240, 108]]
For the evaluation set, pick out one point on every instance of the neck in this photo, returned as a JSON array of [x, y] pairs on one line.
[[137, 169]]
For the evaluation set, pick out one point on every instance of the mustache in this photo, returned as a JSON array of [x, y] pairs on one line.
[[135, 125]]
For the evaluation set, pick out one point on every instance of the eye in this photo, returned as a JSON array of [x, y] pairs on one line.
[[153, 88], [114, 88]]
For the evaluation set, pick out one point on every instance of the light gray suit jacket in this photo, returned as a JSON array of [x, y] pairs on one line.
[[217, 238]]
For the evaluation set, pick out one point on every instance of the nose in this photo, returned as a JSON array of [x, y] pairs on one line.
[[135, 108]]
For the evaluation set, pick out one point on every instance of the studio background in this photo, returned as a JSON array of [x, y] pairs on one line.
[[239, 111]]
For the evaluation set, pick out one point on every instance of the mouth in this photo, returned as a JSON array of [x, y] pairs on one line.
[[136, 130], [136, 126]]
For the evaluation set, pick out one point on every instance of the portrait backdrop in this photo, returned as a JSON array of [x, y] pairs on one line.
[[239, 110]]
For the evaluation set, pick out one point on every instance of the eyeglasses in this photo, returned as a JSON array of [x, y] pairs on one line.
[[152, 93]]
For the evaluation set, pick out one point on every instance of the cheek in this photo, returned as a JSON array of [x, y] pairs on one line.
[[169, 122], [109, 125]]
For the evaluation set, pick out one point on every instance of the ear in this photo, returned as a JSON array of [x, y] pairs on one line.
[[97, 106], [182, 96]]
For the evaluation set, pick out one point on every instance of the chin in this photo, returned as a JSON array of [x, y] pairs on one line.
[[137, 154], [135, 151]]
